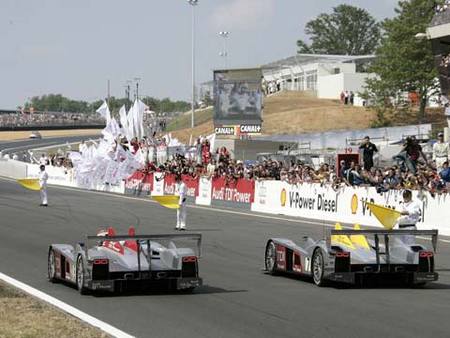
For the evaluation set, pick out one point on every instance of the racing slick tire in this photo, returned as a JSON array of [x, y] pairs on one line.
[[51, 266], [80, 276], [270, 258], [318, 268]]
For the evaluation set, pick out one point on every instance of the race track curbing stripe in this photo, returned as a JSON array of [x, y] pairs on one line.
[[109, 329], [208, 208]]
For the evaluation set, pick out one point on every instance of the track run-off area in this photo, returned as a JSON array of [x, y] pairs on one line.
[[238, 299]]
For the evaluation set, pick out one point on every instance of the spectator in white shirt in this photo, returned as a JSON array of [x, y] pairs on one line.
[[440, 152], [43, 160], [410, 216]]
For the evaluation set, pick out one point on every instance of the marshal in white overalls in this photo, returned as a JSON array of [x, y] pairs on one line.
[[181, 212]]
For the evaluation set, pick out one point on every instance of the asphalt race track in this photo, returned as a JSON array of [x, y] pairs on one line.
[[238, 300], [23, 145]]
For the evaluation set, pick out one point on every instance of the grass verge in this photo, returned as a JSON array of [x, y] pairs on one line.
[[24, 316]]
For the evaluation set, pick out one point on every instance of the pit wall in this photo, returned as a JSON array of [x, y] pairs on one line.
[[311, 201]]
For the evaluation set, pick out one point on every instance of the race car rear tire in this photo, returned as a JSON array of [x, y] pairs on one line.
[[80, 276], [270, 258], [318, 268], [51, 266]]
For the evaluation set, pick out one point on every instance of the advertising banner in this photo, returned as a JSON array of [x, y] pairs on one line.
[[139, 183], [239, 130], [191, 184], [170, 185], [158, 184], [238, 191], [346, 204], [204, 191]]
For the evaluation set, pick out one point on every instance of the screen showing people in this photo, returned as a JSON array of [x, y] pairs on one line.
[[238, 96]]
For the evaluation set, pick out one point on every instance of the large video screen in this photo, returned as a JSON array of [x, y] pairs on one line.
[[238, 97]]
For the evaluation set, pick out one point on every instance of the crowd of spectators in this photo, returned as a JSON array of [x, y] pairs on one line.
[[445, 61], [412, 169], [38, 119], [443, 7], [270, 87]]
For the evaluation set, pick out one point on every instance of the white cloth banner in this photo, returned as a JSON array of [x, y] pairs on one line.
[[104, 112]]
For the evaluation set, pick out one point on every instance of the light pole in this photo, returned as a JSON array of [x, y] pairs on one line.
[[137, 79], [193, 3], [224, 52]]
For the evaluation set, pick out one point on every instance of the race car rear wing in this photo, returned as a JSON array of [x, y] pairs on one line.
[[147, 238], [384, 233]]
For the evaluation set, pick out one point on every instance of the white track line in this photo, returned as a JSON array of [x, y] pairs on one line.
[[147, 200], [111, 330]]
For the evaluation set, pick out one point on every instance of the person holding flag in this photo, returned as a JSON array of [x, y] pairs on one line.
[[43, 177], [410, 215], [181, 211]]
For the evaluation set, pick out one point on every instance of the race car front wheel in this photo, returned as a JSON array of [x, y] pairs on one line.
[[51, 266], [271, 258], [318, 268], [80, 276]]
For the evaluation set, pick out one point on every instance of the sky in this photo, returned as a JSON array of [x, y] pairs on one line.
[[74, 47]]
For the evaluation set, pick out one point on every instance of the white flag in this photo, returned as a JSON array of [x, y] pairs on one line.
[[123, 118], [142, 107], [104, 111], [131, 122]]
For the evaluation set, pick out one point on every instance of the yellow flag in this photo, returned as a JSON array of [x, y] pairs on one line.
[[359, 240], [387, 217], [30, 183], [168, 201], [341, 239]]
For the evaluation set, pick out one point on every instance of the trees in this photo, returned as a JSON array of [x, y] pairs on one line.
[[404, 63], [59, 103], [348, 30]]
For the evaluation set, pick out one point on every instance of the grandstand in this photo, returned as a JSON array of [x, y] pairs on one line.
[[30, 120]]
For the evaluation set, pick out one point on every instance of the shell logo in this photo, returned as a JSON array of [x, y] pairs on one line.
[[354, 204], [283, 197]]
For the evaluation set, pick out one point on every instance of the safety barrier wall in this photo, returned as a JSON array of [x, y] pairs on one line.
[[56, 175], [13, 169], [200, 190], [346, 204]]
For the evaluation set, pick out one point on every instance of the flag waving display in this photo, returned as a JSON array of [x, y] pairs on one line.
[[387, 217], [168, 201], [30, 183]]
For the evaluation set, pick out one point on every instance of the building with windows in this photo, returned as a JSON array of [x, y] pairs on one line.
[[326, 76]]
